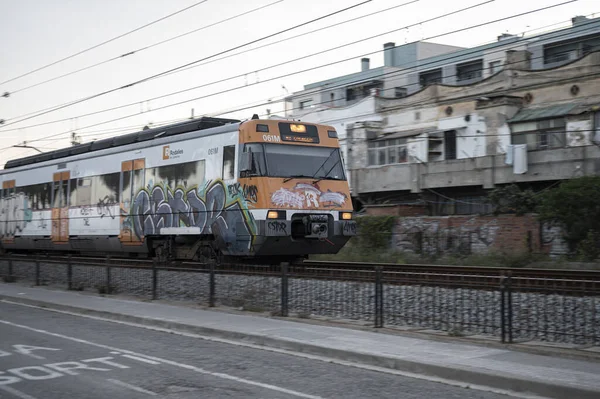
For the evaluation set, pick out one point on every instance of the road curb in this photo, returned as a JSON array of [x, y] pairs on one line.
[[462, 374]]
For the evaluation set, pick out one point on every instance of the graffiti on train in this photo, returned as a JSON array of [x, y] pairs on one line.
[[15, 214], [161, 207]]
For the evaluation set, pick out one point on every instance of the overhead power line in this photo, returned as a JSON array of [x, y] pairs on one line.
[[139, 50], [329, 88], [312, 68], [396, 74], [104, 42], [151, 77], [210, 61]]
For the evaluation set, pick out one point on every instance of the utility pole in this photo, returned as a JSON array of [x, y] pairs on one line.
[[74, 139]]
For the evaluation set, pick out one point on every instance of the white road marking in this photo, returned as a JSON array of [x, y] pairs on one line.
[[132, 387], [25, 373], [164, 361], [140, 359], [16, 392], [296, 354], [26, 350], [68, 367]]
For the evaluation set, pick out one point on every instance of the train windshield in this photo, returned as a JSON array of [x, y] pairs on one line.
[[281, 160]]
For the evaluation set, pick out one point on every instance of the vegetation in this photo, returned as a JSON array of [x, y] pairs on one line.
[[490, 259], [511, 199], [575, 207], [374, 233]]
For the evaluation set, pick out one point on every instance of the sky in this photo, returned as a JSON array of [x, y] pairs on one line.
[[35, 33]]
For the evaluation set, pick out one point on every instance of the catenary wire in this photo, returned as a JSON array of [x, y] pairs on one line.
[[104, 42], [280, 64], [129, 53], [158, 75], [293, 73], [502, 44], [201, 64]]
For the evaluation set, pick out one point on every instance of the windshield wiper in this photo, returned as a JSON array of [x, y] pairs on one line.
[[329, 171], [287, 179], [324, 162]]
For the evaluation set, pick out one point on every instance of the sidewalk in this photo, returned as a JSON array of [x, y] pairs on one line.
[[497, 368]]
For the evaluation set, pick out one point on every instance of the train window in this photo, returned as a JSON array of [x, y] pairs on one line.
[[105, 189], [125, 186], [138, 180], [184, 175], [60, 194], [259, 167], [84, 192], [38, 196], [73, 192], [228, 162]]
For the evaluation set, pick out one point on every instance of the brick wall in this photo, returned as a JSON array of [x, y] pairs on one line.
[[476, 234], [396, 210]]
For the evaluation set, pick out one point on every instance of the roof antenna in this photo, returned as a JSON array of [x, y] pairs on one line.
[[255, 116]]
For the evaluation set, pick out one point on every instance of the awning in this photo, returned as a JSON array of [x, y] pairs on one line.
[[555, 111]]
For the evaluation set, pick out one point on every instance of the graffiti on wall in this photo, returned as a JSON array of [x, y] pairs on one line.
[[15, 214], [213, 212], [552, 238], [427, 236], [305, 195]]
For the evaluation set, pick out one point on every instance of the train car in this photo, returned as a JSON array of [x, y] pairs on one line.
[[258, 190]]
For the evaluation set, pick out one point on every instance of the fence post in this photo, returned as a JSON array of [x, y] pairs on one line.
[[509, 307], [69, 273], [284, 289], [378, 297], [154, 279], [9, 278], [37, 270], [211, 285], [503, 309], [108, 288], [506, 309]]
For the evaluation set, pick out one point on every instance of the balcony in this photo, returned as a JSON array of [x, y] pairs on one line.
[[487, 171]]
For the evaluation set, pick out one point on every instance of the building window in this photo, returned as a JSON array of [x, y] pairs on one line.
[[305, 104], [350, 95], [540, 135], [469, 71], [400, 92], [430, 77], [495, 67], [385, 152], [450, 144], [597, 127]]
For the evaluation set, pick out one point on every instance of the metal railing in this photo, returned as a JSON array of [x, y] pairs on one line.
[[461, 302]]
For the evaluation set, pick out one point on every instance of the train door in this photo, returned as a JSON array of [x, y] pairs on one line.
[[6, 219], [132, 182], [60, 207]]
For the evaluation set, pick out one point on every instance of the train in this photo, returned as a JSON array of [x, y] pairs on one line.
[[259, 190]]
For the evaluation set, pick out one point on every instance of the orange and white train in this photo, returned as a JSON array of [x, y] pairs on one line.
[[268, 190]]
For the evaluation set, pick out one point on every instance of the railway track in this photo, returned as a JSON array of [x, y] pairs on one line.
[[579, 282]]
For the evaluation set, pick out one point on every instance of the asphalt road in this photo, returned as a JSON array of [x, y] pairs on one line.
[[48, 355]]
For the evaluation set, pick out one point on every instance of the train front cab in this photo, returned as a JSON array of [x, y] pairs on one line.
[[295, 176]]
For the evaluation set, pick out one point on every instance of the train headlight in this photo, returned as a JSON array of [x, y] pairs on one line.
[[346, 215], [276, 215]]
